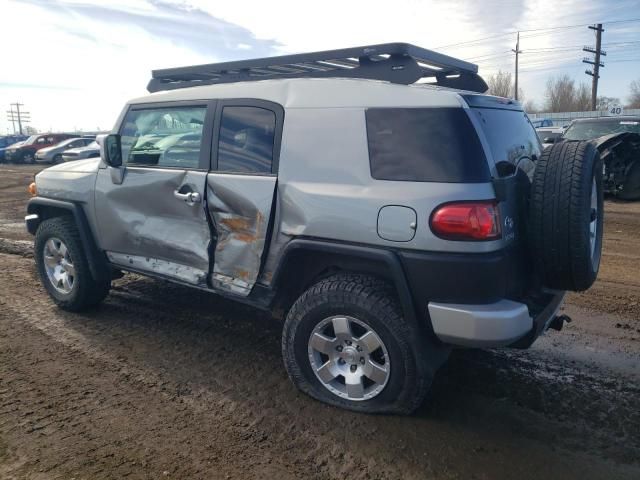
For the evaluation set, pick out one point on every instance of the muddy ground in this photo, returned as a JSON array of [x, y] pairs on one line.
[[166, 382]]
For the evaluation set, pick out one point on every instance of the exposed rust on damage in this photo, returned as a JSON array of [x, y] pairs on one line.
[[242, 274], [243, 229]]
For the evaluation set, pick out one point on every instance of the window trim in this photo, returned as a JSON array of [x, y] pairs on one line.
[[278, 111], [207, 129]]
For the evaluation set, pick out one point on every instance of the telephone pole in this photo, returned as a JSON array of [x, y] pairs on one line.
[[17, 116], [595, 74], [517, 51]]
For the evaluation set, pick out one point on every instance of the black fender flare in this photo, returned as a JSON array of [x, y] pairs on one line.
[[386, 257], [98, 264]]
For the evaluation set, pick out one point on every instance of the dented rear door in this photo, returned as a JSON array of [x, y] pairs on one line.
[[241, 189]]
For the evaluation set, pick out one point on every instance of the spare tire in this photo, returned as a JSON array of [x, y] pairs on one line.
[[566, 213]]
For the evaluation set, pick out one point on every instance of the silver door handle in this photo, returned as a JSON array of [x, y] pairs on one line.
[[189, 197]]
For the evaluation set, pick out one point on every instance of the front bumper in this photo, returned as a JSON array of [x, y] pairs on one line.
[[497, 324]]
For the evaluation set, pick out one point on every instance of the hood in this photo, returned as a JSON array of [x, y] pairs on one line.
[[615, 138], [81, 166], [86, 148], [46, 150]]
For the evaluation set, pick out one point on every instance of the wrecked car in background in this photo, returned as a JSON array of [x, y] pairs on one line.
[[618, 141]]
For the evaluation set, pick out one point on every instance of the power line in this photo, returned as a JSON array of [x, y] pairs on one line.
[[17, 116], [547, 29], [597, 51]]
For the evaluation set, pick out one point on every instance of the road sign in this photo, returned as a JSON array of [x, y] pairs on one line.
[[615, 110]]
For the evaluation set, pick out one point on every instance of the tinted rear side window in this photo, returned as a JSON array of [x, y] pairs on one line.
[[424, 145]]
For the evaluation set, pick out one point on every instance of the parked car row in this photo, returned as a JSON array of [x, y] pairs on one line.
[[47, 148]]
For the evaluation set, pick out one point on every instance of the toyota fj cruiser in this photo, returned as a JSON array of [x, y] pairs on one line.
[[371, 196]]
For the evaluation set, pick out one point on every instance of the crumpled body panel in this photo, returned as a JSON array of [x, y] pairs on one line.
[[240, 206]]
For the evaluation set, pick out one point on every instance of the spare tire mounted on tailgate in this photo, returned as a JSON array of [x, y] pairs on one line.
[[566, 215]]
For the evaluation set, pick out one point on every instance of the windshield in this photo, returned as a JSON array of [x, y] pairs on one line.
[[31, 139], [66, 142], [595, 129]]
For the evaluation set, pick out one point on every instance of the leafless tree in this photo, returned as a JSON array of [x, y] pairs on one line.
[[604, 103], [500, 84], [634, 95], [530, 106], [562, 95]]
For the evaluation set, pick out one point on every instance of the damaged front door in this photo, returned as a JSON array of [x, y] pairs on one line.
[[241, 189], [152, 218]]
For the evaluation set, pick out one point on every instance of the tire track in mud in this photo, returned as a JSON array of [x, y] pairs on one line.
[[203, 379]]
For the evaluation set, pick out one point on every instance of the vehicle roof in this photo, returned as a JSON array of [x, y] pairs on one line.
[[621, 118], [317, 93]]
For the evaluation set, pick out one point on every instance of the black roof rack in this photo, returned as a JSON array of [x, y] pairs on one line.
[[393, 62]]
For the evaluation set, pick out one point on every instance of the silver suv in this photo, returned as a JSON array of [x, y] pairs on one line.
[[369, 196]]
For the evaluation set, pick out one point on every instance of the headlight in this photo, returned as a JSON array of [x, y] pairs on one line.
[[33, 190]]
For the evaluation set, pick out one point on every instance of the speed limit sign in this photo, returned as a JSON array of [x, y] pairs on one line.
[[616, 110]]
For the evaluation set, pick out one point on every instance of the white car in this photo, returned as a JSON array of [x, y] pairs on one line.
[[549, 135]]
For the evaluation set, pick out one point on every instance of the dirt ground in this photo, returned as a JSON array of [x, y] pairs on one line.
[[166, 382]]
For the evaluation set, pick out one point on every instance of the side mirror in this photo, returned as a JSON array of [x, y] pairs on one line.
[[110, 149]]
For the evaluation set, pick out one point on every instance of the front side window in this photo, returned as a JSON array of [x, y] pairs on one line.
[[246, 140], [163, 137]]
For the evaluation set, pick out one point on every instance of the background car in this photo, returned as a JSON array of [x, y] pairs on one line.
[[8, 140], [618, 141], [89, 151], [53, 154], [592, 128], [26, 151], [548, 135], [543, 122]]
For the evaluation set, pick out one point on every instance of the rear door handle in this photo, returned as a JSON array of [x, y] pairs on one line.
[[189, 197]]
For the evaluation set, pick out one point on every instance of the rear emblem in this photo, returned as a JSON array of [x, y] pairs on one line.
[[508, 222]]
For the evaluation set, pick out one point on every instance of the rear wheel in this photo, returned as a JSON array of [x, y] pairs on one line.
[[346, 343], [566, 215], [63, 267], [631, 186]]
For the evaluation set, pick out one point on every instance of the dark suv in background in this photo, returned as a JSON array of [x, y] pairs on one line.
[[26, 151], [9, 140]]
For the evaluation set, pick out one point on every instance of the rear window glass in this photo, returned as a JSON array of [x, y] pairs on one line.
[[510, 134], [424, 145]]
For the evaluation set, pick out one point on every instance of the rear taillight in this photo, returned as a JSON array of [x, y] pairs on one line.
[[466, 221]]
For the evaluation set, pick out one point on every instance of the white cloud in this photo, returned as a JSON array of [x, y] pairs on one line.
[[82, 59]]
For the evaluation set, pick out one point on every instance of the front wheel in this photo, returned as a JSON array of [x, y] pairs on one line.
[[346, 343], [28, 157], [63, 267]]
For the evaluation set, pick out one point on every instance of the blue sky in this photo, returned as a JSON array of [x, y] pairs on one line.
[[75, 62]]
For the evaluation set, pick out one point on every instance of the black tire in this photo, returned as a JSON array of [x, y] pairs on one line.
[[27, 158], [372, 301], [631, 186], [86, 291], [57, 159], [561, 215]]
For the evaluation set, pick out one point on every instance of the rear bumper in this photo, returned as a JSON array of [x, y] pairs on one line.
[[497, 324], [493, 325]]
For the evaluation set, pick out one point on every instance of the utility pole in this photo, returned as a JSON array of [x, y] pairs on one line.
[[517, 51], [595, 74], [17, 116]]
